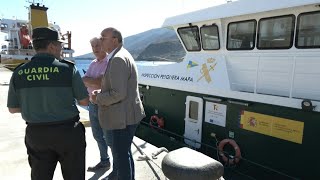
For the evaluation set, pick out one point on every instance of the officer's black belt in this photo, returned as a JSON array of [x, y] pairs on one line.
[[63, 122]]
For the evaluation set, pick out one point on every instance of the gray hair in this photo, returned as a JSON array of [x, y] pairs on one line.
[[95, 39]]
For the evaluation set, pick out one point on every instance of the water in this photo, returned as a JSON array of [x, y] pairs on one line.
[[82, 65]]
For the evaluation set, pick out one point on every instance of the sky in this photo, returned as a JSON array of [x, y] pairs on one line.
[[87, 18]]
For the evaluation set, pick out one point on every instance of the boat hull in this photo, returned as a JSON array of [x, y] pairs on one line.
[[265, 154]]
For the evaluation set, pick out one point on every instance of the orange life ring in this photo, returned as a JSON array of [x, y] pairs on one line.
[[156, 121], [230, 160]]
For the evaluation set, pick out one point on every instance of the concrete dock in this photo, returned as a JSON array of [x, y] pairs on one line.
[[13, 156]]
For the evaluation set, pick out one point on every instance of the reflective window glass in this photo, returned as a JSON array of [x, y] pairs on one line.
[[241, 35], [193, 110], [210, 37], [308, 30], [276, 32], [190, 37]]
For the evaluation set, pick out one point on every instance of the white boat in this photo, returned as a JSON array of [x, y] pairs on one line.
[[17, 47], [251, 75]]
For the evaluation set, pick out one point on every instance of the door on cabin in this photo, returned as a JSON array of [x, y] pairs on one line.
[[193, 121]]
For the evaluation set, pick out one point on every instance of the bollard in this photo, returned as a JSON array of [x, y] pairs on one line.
[[188, 164]]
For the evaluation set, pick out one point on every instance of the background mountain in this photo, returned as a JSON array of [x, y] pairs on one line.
[[159, 44]]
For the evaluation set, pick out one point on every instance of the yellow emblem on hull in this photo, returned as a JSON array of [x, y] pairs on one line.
[[205, 71]]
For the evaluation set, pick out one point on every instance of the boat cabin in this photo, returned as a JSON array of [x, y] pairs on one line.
[[268, 54], [250, 80]]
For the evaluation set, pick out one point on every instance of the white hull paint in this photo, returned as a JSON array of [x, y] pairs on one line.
[[179, 77]]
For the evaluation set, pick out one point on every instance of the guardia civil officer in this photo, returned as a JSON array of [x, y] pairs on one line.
[[44, 91]]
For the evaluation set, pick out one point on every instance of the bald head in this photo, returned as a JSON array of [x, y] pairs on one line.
[[115, 33], [111, 39]]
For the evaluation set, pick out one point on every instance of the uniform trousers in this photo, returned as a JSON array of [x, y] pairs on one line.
[[48, 144]]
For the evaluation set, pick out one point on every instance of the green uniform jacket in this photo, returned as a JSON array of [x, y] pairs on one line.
[[45, 89]]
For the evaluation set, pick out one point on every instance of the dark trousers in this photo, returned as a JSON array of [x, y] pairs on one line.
[[98, 133], [49, 144], [120, 142]]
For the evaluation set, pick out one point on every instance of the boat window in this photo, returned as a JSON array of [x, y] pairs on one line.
[[19, 24], [210, 37], [193, 110], [308, 30], [241, 35], [190, 37], [276, 32], [3, 26]]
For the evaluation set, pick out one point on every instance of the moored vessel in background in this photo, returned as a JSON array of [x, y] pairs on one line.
[[250, 80], [17, 46]]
